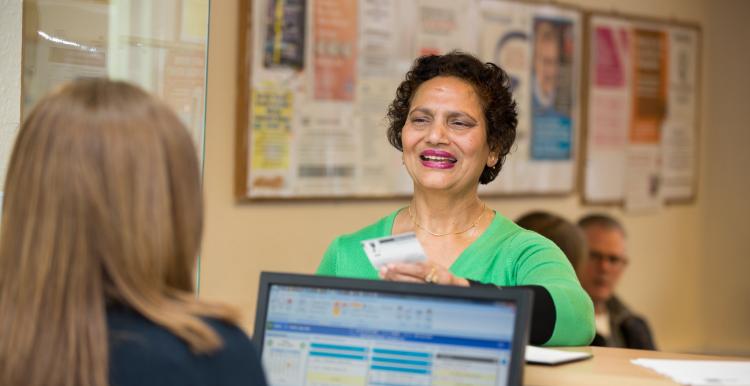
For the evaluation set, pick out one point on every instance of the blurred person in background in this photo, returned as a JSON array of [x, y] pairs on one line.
[[599, 273], [560, 231]]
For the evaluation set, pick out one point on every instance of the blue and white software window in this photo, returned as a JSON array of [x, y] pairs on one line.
[[343, 337]]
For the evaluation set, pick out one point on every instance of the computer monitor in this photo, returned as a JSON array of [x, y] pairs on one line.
[[317, 330]]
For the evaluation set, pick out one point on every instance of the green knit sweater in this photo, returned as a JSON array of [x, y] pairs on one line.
[[504, 255]]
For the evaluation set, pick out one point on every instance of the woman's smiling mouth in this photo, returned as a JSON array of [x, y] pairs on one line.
[[437, 159]]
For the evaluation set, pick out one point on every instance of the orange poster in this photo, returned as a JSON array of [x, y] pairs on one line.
[[335, 49], [649, 86]]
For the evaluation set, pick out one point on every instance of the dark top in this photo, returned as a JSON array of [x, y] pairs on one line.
[[628, 329], [543, 313], [143, 354]]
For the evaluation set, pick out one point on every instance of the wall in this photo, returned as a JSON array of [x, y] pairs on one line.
[[726, 182]]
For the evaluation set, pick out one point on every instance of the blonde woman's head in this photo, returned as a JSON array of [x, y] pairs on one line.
[[102, 205]]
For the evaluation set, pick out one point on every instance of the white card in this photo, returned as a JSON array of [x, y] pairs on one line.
[[401, 248]]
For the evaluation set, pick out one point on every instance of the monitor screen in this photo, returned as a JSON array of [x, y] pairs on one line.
[[329, 336]]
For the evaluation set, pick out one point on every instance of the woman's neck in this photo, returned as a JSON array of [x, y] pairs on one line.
[[441, 212]]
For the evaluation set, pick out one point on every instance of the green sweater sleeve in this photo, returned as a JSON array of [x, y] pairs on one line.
[[327, 265], [544, 264]]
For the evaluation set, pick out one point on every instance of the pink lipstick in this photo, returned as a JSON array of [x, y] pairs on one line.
[[437, 159]]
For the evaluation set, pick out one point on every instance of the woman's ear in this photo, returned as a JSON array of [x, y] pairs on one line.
[[492, 159]]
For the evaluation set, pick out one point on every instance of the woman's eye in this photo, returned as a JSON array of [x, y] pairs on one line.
[[460, 124], [419, 120]]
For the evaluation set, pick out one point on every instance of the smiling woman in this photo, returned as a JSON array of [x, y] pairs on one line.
[[454, 119]]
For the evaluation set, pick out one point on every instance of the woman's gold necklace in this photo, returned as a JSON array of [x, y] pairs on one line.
[[472, 226]]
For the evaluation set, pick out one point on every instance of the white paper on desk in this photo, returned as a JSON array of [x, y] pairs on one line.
[[547, 356], [700, 373]]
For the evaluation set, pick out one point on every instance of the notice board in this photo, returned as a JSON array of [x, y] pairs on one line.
[[642, 111], [316, 78]]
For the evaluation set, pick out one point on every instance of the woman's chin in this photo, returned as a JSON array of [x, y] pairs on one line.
[[442, 180], [435, 183]]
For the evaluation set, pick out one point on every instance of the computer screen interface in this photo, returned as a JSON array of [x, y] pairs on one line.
[[324, 336]]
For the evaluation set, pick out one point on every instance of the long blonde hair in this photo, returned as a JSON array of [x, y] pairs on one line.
[[102, 205]]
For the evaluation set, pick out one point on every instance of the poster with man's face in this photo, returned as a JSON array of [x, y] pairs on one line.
[[552, 89]]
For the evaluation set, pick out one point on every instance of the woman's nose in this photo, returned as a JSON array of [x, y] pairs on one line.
[[438, 133]]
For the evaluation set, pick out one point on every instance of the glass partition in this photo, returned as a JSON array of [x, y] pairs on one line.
[[159, 45]]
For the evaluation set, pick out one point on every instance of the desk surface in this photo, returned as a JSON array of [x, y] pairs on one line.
[[609, 366]]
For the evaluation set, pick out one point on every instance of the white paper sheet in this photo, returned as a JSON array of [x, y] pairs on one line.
[[679, 134], [643, 179], [547, 356], [700, 373]]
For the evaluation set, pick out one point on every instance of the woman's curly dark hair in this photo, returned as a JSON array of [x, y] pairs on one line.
[[490, 82]]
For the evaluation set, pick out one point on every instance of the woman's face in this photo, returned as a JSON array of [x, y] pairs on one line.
[[445, 136]]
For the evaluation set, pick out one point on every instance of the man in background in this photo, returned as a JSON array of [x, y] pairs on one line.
[[616, 324]]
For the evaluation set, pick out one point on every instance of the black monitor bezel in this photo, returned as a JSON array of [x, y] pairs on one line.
[[522, 298]]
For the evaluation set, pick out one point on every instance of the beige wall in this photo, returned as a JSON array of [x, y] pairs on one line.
[[726, 180], [671, 251]]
